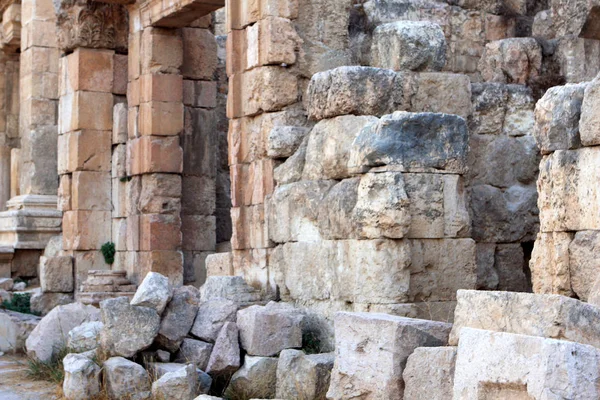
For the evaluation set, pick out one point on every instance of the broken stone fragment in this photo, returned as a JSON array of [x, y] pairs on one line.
[[513, 60], [211, 317], [225, 357], [154, 292], [84, 337], [178, 317], [409, 45], [127, 329], [429, 373], [180, 384], [82, 378], [301, 376], [232, 288], [256, 379], [195, 352], [126, 379], [266, 330]]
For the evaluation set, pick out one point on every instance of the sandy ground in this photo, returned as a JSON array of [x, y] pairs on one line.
[[15, 385]]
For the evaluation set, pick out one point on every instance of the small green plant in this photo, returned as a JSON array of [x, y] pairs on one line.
[[21, 302], [311, 343], [108, 251], [51, 371]]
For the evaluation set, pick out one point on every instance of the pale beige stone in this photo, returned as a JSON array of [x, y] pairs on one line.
[[443, 93], [550, 263], [429, 373]]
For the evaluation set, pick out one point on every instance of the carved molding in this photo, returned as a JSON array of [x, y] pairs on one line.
[[91, 24]]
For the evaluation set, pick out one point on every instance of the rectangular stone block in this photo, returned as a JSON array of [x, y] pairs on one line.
[[160, 194], [252, 183], [56, 274], [200, 54], [429, 373], [120, 74], [91, 191], [568, 196], [160, 118], [200, 93], [133, 233], [492, 365], [550, 264], [246, 12], [441, 92], [161, 87], [219, 264], [90, 70], [198, 196], [150, 154], [132, 122], [84, 261], [85, 110], [85, 150], [64, 193], [86, 230], [119, 161], [199, 142], [161, 51], [250, 228], [160, 232], [547, 316], [119, 198], [199, 232], [120, 123], [167, 263], [373, 348], [119, 233], [133, 93]]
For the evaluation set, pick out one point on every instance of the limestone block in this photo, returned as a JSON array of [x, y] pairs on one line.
[[211, 317], [43, 303], [514, 60], [161, 51], [154, 292], [64, 194], [91, 191], [166, 262], [86, 230], [548, 316], [429, 373], [500, 365], [283, 141], [125, 378], [84, 337], [200, 53], [200, 93], [195, 352], [409, 45], [89, 70], [219, 264], [85, 110], [264, 89], [519, 119], [225, 357], [151, 154], [120, 71], [248, 12], [178, 317], [86, 150], [232, 288], [589, 124], [374, 347], [354, 90], [301, 376], [329, 146], [56, 274], [160, 232], [291, 170], [15, 329], [550, 264], [267, 330], [82, 377], [567, 197], [127, 329], [583, 266], [199, 157], [509, 264], [442, 93], [272, 41], [50, 336], [167, 88], [160, 194], [557, 118], [573, 17], [160, 118], [396, 142], [179, 384], [504, 215], [256, 379], [440, 267], [345, 270], [335, 215], [199, 232], [198, 195], [495, 6], [119, 161]]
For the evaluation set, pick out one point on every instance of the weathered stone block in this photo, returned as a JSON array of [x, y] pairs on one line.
[[429, 373], [589, 123], [56, 274], [199, 142], [396, 142], [211, 317], [548, 316], [195, 352], [85, 150], [225, 357], [550, 263], [154, 292], [86, 230], [514, 60], [198, 232], [354, 90], [442, 93], [161, 88], [178, 317], [82, 377], [409, 45], [219, 264], [89, 70], [301, 376], [200, 93], [162, 51], [160, 118], [256, 379], [501, 365], [200, 53], [374, 347], [557, 118], [85, 110], [149, 154], [160, 232], [15, 329], [125, 378], [160, 194], [166, 262], [84, 337], [91, 191]]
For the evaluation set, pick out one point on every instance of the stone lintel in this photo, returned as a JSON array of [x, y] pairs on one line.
[[177, 13]]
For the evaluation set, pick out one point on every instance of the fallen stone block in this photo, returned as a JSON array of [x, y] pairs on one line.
[[43, 303], [82, 378], [15, 328], [557, 118], [301, 376], [154, 292], [178, 317], [195, 352], [509, 366], [56, 274], [50, 336], [371, 352], [225, 357], [232, 288], [256, 379], [211, 317], [127, 329], [84, 337], [126, 379], [547, 316], [267, 330], [354, 90], [409, 45], [396, 141], [429, 374], [180, 384]]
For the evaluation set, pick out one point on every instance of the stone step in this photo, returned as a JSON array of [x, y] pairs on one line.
[[94, 298]]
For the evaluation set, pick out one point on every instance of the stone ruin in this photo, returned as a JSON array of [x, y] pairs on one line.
[[303, 199]]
